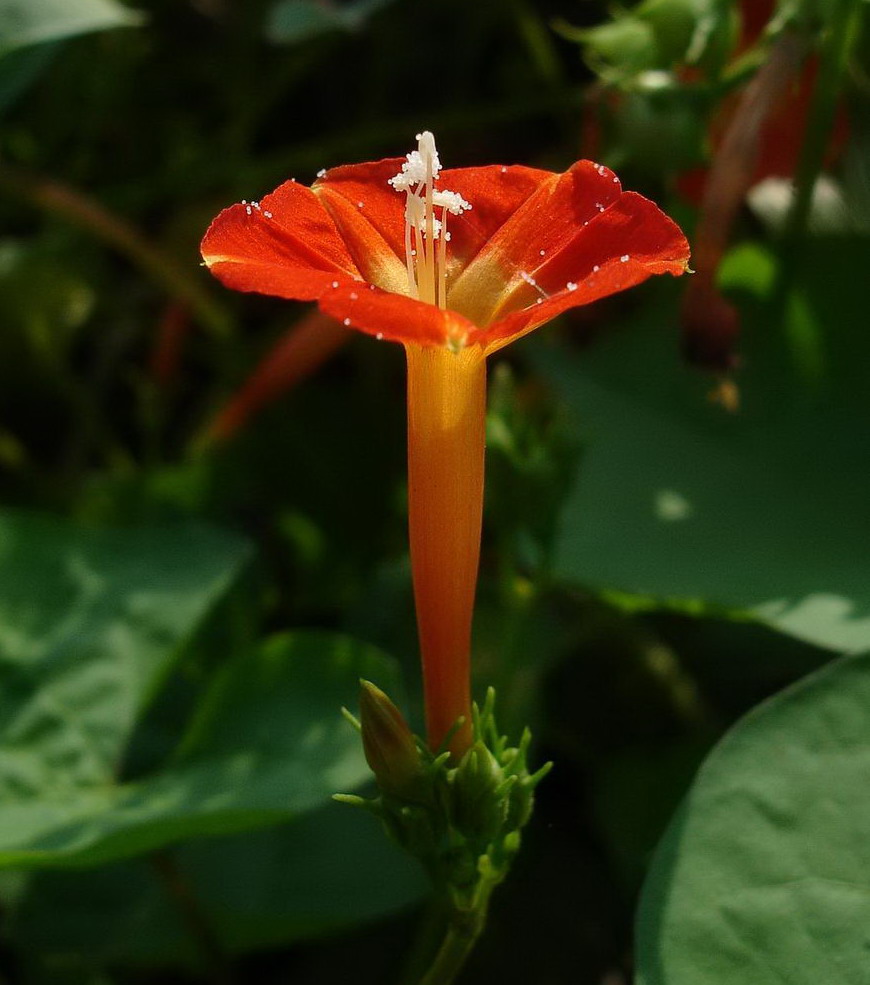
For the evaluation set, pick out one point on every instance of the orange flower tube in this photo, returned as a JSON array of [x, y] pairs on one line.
[[446, 432]]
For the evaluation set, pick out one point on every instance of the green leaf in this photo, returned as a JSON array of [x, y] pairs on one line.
[[269, 743], [292, 21], [329, 869], [91, 622], [759, 513], [30, 22], [764, 874]]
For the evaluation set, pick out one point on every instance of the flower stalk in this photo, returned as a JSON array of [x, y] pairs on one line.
[[461, 817]]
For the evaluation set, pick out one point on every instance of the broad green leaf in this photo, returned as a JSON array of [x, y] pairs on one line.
[[764, 875], [268, 744], [760, 513], [30, 22], [292, 21], [91, 622], [331, 868]]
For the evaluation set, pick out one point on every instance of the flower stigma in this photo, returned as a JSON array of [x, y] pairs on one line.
[[426, 234]]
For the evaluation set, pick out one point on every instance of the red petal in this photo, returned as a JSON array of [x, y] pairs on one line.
[[495, 193], [540, 228], [370, 215], [287, 246], [620, 247], [394, 317]]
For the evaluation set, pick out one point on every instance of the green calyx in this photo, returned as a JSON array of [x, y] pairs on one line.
[[462, 820]]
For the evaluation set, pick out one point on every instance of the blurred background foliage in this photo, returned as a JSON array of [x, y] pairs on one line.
[[202, 540]]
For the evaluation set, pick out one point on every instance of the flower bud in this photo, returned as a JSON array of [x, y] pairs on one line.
[[389, 745]]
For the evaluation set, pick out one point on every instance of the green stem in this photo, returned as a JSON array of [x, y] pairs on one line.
[[452, 955], [842, 30], [215, 962], [59, 199]]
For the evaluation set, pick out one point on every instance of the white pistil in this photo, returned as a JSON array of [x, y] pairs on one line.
[[426, 262]]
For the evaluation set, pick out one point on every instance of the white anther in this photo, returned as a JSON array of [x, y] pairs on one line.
[[346, 322], [624, 258], [452, 201], [321, 173], [571, 286]]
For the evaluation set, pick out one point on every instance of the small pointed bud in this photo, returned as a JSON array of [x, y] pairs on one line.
[[389, 745], [477, 807]]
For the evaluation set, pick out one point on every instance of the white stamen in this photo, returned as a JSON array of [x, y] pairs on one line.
[[335, 283], [624, 258], [571, 286], [426, 262], [346, 322], [267, 214], [595, 269], [321, 173]]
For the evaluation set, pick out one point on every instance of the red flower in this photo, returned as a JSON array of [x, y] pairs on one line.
[[534, 244], [454, 275]]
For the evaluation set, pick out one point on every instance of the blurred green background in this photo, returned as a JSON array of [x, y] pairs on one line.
[[677, 486]]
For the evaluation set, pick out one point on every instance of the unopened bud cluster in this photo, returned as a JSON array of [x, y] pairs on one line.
[[462, 819]]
